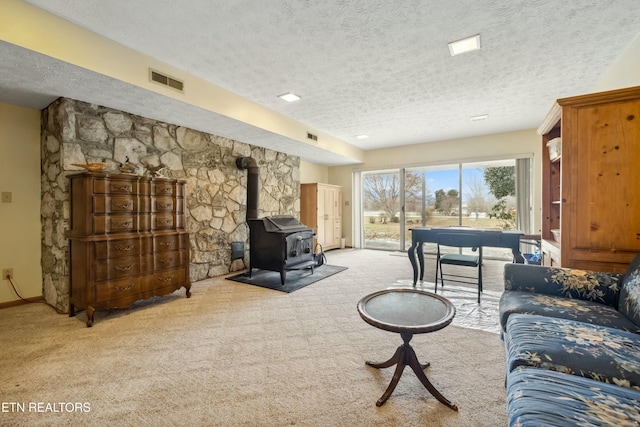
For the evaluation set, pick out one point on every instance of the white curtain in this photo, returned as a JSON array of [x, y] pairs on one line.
[[523, 195]]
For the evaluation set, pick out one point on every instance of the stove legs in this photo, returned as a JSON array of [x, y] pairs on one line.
[[283, 272]]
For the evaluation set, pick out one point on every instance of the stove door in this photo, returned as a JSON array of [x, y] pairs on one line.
[[299, 248]]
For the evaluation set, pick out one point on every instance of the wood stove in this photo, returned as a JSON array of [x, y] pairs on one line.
[[280, 243], [276, 243]]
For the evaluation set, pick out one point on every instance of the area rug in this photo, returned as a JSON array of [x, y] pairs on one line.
[[296, 279], [469, 314]]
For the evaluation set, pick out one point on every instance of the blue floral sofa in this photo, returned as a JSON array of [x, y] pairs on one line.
[[572, 341]]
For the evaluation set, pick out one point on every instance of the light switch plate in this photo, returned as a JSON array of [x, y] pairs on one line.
[[6, 197]]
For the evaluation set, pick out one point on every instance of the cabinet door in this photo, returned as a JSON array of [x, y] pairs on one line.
[[337, 206], [320, 233], [605, 173], [329, 203], [337, 216]]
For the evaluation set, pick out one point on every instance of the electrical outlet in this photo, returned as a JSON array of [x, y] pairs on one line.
[[6, 273], [6, 197]]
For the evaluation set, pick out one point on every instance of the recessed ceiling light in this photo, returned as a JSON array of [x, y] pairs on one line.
[[465, 45], [362, 136], [289, 97], [479, 118]]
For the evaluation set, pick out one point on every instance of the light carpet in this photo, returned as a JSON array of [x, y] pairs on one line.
[[237, 355]]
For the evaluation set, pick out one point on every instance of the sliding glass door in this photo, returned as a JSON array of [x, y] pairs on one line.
[[487, 194]]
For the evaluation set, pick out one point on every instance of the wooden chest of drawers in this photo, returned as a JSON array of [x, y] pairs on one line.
[[128, 240]]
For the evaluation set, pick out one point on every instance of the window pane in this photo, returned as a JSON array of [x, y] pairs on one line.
[[381, 210], [488, 199], [432, 199], [418, 201]]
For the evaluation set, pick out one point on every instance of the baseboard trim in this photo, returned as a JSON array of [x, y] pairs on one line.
[[22, 302]]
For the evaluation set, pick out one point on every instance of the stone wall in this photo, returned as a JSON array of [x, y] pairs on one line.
[[77, 132]]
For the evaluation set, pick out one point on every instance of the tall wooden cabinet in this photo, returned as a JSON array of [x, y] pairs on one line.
[[128, 240], [321, 209], [591, 190]]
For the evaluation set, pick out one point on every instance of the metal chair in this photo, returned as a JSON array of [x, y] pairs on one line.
[[459, 240]]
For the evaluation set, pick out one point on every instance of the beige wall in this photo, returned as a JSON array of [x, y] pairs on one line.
[[20, 219], [497, 146], [311, 172], [625, 72]]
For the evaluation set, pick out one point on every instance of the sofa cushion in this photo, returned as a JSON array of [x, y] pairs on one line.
[[537, 397], [629, 303], [600, 353], [603, 288], [565, 308]]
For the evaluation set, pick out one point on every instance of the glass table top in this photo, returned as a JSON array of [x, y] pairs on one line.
[[406, 310]]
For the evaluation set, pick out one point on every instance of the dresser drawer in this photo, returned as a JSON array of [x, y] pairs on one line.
[[170, 259], [121, 248], [169, 242], [106, 291], [161, 188], [114, 223], [161, 221], [115, 186], [115, 204], [118, 267], [166, 278], [166, 204]]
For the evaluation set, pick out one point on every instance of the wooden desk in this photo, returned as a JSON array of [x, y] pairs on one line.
[[493, 238]]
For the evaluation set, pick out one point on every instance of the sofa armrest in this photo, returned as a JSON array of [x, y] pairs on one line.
[[603, 288]]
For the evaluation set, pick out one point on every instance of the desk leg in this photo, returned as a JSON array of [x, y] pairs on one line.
[[517, 256], [405, 355], [412, 259], [421, 260], [416, 251]]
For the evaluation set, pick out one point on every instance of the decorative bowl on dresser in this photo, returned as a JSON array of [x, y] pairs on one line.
[[128, 240]]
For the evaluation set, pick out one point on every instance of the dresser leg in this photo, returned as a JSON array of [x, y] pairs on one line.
[[90, 310], [72, 310], [188, 288]]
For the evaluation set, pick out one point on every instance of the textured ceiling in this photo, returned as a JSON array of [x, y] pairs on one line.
[[374, 67]]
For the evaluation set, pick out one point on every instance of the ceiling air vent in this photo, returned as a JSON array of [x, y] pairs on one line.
[[165, 80], [312, 136]]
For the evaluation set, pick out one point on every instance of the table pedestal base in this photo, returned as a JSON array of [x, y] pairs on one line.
[[405, 355]]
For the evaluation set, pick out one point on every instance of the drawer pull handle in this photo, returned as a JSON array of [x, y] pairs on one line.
[[127, 268], [165, 261], [118, 187], [124, 248], [117, 224], [128, 288], [164, 190], [167, 244], [165, 222], [165, 205], [165, 279], [125, 205]]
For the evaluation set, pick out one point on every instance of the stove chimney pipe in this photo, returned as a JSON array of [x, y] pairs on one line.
[[253, 174]]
